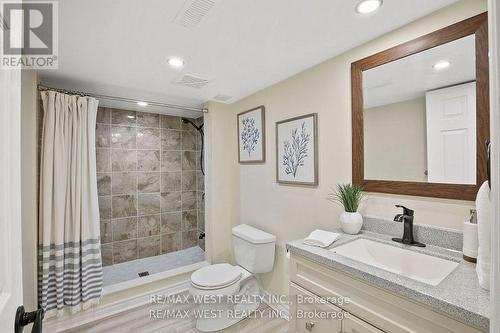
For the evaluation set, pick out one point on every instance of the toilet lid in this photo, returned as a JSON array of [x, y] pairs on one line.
[[213, 276]]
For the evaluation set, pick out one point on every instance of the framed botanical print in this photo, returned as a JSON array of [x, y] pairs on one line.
[[252, 136], [297, 150]]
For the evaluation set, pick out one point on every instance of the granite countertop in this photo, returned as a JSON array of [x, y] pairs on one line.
[[458, 295]]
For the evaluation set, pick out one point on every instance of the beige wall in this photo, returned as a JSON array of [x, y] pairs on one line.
[[395, 141], [29, 187], [292, 212], [221, 181]]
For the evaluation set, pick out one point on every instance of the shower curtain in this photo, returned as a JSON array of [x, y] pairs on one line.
[[69, 256]]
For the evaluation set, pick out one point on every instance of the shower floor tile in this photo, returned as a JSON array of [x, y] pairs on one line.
[[130, 270]]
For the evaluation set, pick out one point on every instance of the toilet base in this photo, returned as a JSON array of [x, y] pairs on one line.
[[215, 316]]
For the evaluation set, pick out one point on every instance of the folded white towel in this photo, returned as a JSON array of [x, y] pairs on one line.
[[484, 220], [321, 238]]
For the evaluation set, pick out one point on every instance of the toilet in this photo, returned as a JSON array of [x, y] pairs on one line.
[[225, 294]]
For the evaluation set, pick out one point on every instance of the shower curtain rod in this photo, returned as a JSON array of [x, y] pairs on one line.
[[42, 87]]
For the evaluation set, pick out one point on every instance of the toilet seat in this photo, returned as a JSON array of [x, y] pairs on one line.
[[216, 276]]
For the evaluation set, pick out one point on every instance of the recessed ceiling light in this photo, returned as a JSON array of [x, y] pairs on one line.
[[140, 103], [368, 6], [175, 62], [441, 65]]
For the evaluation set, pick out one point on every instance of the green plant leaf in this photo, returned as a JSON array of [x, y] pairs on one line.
[[347, 195]]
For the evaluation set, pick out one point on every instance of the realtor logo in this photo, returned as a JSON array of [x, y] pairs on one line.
[[29, 34]]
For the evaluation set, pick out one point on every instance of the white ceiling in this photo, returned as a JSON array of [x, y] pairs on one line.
[[120, 48], [409, 78]]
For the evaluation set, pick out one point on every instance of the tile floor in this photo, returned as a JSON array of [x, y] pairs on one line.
[[129, 270]]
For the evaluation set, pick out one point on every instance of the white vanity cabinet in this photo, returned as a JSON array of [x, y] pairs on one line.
[[315, 315], [369, 309], [302, 322], [356, 325]]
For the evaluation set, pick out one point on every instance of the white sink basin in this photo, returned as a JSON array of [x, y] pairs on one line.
[[413, 265]]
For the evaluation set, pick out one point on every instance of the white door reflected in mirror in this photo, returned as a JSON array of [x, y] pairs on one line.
[[451, 134], [419, 116]]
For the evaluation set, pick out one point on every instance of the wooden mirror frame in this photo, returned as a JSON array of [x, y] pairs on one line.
[[476, 25]]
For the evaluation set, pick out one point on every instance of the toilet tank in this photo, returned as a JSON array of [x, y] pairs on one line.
[[253, 248]]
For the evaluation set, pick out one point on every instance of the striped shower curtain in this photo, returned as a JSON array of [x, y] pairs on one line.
[[69, 256]]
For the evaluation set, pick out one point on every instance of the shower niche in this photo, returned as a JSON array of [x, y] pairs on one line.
[[151, 192]]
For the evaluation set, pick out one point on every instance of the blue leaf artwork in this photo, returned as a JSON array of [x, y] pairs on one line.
[[249, 135], [295, 150]]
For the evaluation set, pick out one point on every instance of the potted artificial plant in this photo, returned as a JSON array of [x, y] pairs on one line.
[[349, 196]]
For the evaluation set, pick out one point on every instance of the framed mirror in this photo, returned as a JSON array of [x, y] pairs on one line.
[[420, 114]]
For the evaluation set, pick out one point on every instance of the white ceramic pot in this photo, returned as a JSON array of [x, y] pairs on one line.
[[351, 223]]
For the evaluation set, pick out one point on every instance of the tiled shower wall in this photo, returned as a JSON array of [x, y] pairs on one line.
[[150, 185]]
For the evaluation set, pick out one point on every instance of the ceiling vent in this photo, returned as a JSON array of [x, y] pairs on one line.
[[192, 81], [192, 12], [222, 98]]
